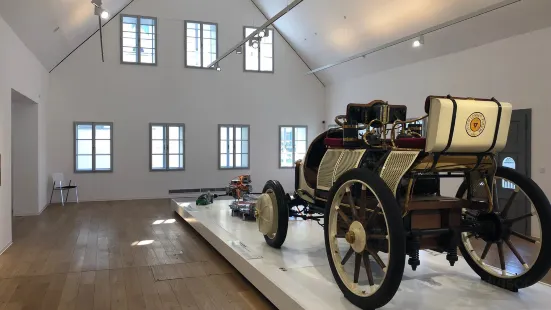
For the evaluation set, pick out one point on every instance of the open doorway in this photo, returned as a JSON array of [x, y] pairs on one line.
[[24, 155]]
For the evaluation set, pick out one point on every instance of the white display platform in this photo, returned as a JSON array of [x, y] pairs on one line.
[[297, 276]]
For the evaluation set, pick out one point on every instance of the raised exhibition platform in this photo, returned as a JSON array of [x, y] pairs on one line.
[[298, 276]]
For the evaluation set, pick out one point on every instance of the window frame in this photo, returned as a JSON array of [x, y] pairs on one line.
[[165, 146], [234, 126], [75, 142], [294, 160], [138, 34], [245, 56], [201, 41]]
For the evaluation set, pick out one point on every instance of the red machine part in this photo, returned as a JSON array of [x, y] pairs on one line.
[[239, 186]]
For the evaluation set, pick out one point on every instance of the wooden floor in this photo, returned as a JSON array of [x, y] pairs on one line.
[[117, 255]]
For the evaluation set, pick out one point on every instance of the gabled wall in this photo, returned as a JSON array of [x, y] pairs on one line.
[[515, 70], [132, 96], [19, 70]]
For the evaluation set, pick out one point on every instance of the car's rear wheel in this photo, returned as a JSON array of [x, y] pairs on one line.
[[501, 254]]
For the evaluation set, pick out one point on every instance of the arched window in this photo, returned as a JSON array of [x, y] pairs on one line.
[[508, 162]]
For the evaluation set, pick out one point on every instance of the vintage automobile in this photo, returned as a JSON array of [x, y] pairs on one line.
[[379, 197]]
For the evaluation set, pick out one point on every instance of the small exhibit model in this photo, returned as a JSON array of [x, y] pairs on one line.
[[205, 199], [240, 189], [376, 185]]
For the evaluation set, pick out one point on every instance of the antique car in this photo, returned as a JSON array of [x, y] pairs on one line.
[[376, 184]]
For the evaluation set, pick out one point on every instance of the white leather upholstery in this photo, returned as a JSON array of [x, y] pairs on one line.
[[474, 127]]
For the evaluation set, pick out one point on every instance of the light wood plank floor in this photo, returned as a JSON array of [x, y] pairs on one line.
[[117, 255]]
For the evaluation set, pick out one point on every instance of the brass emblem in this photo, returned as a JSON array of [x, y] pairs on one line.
[[475, 125]]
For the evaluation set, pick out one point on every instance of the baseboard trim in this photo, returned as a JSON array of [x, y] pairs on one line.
[[31, 214], [174, 196], [6, 247]]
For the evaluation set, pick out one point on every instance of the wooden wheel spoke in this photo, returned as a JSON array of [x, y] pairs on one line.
[[501, 257], [347, 256], [343, 216], [370, 219], [352, 204], [363, 204], [486, 249], [495, 198], [377, 259], [357, 264], [520, 218], [524, 237], [509, 204], [378, 237], [514, 250], [368, 270]]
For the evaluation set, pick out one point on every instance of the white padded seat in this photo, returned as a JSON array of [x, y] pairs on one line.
[[461, 125]]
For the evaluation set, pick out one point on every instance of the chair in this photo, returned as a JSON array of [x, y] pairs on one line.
[[59, 185]]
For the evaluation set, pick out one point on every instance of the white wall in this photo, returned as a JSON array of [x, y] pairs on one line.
[[515, 70], [19, 70], [84, 89], [25, 182]]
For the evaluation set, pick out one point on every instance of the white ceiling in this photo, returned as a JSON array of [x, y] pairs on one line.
[[34, 22], [321, 34], [317, 29]]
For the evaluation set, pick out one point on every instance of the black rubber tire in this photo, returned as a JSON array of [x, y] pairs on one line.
[[282, 214], [543, 263], [396, 234]]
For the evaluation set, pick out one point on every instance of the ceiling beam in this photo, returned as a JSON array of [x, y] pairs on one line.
[[460, 19], [257, 31], [287, 41]]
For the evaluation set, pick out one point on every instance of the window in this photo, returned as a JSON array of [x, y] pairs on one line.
[[234, 146], [292, 141], [166, 147], [201, 44], [93, 147], [259, 51], [423, 124], [508, 162], [138, 40]]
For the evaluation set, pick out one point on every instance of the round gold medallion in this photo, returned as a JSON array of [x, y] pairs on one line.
[[475, 125]]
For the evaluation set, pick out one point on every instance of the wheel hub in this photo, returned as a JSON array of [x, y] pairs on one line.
[[356, 237], [350, 237], [266, 215], [493, 227]]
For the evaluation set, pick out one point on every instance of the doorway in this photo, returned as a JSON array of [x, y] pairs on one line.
[[24, 155], [516, 155]]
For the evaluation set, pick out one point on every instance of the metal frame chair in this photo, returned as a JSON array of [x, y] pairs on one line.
[[58, 180]]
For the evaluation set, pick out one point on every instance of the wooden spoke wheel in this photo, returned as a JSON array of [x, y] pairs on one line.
[[272, 214], [364, 238], [502, 252]]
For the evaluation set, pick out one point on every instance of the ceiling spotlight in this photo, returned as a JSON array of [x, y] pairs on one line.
[[261, 34], [218, 68], [420, 41], [254, 44], [98, 9], [239, 50]]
